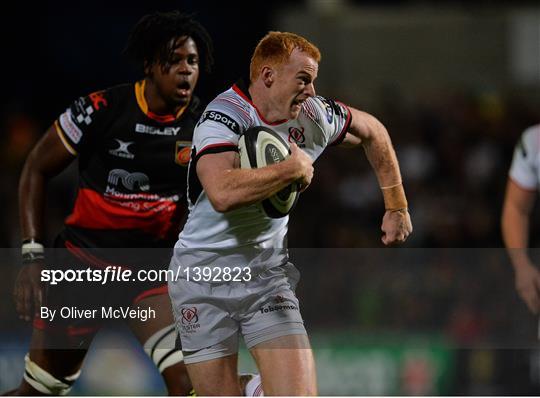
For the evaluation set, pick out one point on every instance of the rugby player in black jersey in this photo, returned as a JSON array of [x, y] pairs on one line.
[[133, 143]]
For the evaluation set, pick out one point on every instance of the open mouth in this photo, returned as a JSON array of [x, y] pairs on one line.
[[297, 102], [183, 88]]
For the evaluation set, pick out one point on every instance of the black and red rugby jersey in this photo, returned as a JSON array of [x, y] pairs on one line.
[[132, 168]]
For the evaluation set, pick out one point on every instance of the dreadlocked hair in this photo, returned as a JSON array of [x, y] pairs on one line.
[[154, 39]]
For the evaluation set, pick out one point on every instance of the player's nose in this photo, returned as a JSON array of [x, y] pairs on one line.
[[185, 68], [310, 90]]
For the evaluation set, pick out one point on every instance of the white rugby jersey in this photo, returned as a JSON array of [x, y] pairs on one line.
[[321, 122], [525, 169]]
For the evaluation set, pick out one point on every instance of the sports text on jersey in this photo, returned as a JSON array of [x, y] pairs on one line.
[[220, 118], [111, 192], [143, 129]]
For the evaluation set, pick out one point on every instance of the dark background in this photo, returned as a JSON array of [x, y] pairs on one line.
[[454, 141], [57, 52]]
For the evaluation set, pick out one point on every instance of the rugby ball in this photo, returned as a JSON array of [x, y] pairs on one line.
[[259, 147]]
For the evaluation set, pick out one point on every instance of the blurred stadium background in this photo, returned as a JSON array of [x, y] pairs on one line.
[[455, 82]]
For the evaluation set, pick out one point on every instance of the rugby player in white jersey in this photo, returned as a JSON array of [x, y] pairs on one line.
[[523, 182], [226, 227]]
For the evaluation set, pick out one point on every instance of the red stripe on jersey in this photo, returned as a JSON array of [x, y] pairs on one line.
[[244, 96], [92, 210], [89, 258], [151, 292], [161, 118], [241, 94]]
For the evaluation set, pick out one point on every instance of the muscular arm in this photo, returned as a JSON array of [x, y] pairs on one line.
[[229, 188], [47, 159], [369, 132]]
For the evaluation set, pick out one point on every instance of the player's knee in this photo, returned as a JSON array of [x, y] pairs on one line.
[[44, 382], [162, 349]]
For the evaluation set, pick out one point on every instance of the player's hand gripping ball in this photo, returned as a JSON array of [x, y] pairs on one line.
[[259, 147]]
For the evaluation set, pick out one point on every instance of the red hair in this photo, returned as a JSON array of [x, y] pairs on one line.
[[275, 49]]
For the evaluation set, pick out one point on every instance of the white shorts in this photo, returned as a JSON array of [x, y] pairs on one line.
[[210, 317]]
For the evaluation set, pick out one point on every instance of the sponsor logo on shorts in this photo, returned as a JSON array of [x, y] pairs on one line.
[[220, 118], [278, 300], [190, 319]]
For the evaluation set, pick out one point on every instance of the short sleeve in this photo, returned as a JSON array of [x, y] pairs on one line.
[[218, 130], [83, 121], [524, 170], [333, 117]]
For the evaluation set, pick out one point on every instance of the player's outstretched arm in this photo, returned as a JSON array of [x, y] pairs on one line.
[[48, 158], [369, 132], [518, 204], [229, 187]]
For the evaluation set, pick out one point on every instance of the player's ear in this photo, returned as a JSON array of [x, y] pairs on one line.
[[147, 68], [267, 75]]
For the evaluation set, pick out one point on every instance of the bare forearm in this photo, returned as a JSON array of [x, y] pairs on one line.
[[365, 129], [515, 231], [515, 228], [46, 160], [32, 188], [517, 208], [381, 156], [236, 188]]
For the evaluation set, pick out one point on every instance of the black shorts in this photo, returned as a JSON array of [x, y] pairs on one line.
[[82, 305]]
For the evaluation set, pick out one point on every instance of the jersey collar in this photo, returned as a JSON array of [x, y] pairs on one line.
[[143, 105]]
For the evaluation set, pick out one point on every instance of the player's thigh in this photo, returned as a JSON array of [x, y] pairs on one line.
[[215, 376], [286, 365]]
